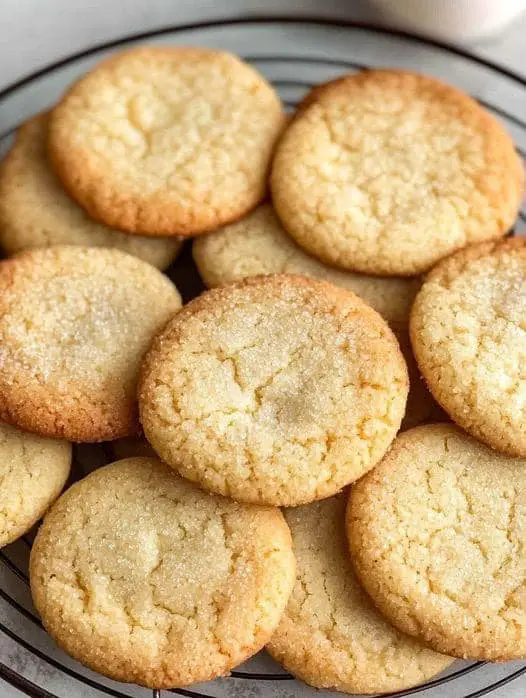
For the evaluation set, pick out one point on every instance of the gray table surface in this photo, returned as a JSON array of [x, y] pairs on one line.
[[34, 33]]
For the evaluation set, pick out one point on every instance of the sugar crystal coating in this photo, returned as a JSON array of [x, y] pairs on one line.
[[277, 389], [147, 579]]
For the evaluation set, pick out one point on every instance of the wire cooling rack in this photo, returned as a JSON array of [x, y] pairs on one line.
[[294, 54]]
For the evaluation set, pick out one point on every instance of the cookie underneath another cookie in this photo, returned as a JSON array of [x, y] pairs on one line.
[[36, 212], [387, 172], [33, 472], [437, 535], [167, 140], [331, 635], [276, 389], [258, 244], [74, 325], [468, 330], [145, 578]]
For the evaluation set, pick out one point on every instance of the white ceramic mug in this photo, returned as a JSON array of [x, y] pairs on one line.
[[452, 20]]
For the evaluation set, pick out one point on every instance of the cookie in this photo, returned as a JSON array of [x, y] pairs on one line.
[[437, 535], [276, 389], [143, 577], [468, 329], [33, 472], [331, 636], [387, 172], [259, 245], [167, 140], [74, 325], [36, 212]]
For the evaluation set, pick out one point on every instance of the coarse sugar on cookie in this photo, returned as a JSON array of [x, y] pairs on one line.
[[468, 330], [33, 472], [74, 325], [145, 578], [331, 636], [277, 389], [437, 534], [387, 172], [258, 244], [167, 140], [35, 211]]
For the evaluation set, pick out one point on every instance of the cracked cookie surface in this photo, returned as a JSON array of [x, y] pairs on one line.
[[437, 532], [74, 325], [258, 244], [468, 330], [147, 579], [33, 472], [167, 141], [35, 211], [276, 389], [386, 172], [331, 635]]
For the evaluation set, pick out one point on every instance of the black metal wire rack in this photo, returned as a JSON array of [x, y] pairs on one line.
[[293, 73]]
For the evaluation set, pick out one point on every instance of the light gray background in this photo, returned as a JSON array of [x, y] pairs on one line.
[[34, 33]]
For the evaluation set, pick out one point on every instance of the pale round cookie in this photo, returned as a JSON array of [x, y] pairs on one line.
[[74, 325], [468, 330], [147, 579], [36, 212], [33, 472], [331, 636], [437, 535], [167, 140], [386, 172], [276, 389], [258, 244]]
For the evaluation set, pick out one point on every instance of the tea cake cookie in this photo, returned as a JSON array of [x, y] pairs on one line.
[[468, 329], [167, 140], [36, 212], [147, 579], [74, 325], [331, 636], [276, 389], [258, 244], [387, 171], [33, 472], [437, 536]]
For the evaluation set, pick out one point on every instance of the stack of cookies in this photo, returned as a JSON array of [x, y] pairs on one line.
[[348, 251]]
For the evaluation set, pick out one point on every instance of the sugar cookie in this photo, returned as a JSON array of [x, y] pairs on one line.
[[36, 212], [74, 324], [145, 578], [387, 172], [167, 140], [468, 329], [33, 472], [259, 245], [276, 389], [437, 534], [331, 636]]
